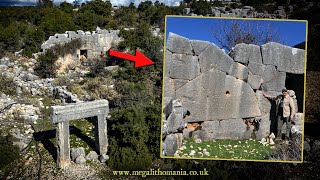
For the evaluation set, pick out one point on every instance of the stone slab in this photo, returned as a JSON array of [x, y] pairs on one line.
[[239, 71], [214, 57], [225, 129], [254, 81], [178, 44], [215, 95], [184, 67], [287, 59], [199, 46], [275, 84], [79, 110]]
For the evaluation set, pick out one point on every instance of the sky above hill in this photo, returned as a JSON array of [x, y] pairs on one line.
[[113, 2], [290, 33]]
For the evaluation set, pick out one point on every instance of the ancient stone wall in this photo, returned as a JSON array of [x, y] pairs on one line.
[[93, 42], [224, 93]]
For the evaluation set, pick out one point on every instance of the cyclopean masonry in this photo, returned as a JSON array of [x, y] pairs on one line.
[[61, 115], [222, 93]]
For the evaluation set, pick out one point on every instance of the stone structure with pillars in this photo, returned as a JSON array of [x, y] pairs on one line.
[[61, 115]]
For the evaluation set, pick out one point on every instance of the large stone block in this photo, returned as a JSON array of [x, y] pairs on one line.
[[263, 129], [275, 84], [168, 63], [225, 129], [214, 57], [245, 53], [168, 87], [239, 71], [171, 144], [184, 67], [256, 68], [254, 81], [175, 121], [178, 44], [199, 46], [286, 58], [215, 95]]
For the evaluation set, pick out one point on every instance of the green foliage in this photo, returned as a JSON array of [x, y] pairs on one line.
[[46, 65], [33, 41], [8, 152], [55, 21], [201, 7], [6, 85], [98, 7], [128, 149]]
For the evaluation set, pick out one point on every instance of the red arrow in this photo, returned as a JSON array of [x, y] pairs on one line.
[[139, 59]]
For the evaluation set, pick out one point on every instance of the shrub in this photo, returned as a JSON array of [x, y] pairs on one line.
[[6, 85], [8, 152], [46, 66]]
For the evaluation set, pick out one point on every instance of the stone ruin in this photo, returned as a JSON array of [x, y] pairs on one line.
[[61, 115], [93, 43], [220, 96]]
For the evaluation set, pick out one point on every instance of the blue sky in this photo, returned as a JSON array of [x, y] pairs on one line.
[[113, 2], [290, 32]]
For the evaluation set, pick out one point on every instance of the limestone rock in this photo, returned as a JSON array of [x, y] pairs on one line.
[[103, 158], [254, 81], [171, 144], [199, 46], [92, 156], [276, 84], [286, 58], [212, 96], [214, 57], [80, 160], [225, 129], [184, 67], [76, 152], [179, 44], [245, 53], [239, 71]]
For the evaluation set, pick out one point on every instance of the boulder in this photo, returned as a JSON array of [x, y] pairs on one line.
[[92, 156], [175, 120], [171, 144], [80, 160], [179, 44], [76, 152]]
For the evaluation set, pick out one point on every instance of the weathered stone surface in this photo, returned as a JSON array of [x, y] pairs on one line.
[[168, 62], [76, 152], [215, 95], [175, 121], [168, 87], [263, 129], [80, 160], [245, 53], [184, 67], [275, 84], [79, 110], [199, 46], [179, 82], [225, 129], [214, 57], [254, 81], [264, 103], [63, 144], [92, 156], [103, 158], [179, 44], [256, 68], [239, 71], [269, 73], [200, 134], [286, 58], [171, 144]]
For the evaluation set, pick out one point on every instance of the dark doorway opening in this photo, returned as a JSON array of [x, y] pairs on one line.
[[295, 82]]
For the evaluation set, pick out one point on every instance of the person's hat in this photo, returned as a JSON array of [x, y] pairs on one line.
[[284, 90]]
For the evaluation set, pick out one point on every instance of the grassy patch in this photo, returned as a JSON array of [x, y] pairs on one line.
[[225, 149], [87, 131]]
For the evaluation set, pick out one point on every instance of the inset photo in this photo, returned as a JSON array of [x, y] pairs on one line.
[[234, 89]]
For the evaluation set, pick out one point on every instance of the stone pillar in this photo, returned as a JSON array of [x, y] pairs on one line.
[[63, 144], [101, 134]]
